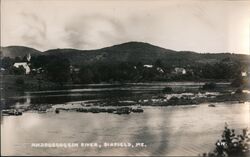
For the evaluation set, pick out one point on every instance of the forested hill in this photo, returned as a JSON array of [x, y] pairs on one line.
[[18, 51], [131, 52]]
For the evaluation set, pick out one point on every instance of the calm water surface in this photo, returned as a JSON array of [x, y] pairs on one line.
[[100, 92], [182, 130]]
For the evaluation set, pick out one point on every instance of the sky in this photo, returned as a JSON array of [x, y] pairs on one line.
[[202, 26]]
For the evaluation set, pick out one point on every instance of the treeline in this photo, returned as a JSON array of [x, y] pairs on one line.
[[61, 70]]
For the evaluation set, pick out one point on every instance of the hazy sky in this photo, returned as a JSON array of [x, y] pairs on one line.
[[201, 26]]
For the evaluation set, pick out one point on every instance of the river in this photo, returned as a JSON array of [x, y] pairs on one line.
[[174, 130], [183, 130]]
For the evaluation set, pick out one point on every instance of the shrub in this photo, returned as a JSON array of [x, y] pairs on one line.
[[173, 101], [232, 144], [237, 82], [19, 81], [238, 91], [209, 86], [167, 90]]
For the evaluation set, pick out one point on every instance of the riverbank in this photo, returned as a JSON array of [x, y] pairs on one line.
[[160, 99], [126, 94], [13, 84]]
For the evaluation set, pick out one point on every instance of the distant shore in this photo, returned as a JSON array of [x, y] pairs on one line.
[[222, 93], [31, 83]]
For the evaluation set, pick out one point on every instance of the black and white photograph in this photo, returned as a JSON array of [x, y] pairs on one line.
[[125, 78]]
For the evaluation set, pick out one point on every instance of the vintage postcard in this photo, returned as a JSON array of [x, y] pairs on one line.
[[125, 78]]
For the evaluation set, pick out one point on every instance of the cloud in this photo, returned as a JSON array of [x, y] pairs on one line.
[[195, 26], [35, 32], [87, 31]]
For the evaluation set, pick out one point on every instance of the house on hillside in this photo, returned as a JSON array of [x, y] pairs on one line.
[[38, 70], [148, 66], [180, 71], [24, 65], [2, 69], [159, 69], [74, 69], [243, 73]]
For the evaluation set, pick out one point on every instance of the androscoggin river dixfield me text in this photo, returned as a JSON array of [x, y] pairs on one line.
[[96, 145]]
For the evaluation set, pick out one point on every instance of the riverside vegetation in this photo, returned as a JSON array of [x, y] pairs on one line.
[[127, 62], [231, 144]]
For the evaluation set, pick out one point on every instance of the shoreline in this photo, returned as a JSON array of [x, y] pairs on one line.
[[151, 97], [100, 108], [180, 102]]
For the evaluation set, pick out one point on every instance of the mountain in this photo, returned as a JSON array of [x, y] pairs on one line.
[[18, 51], [130, 52], [134, 52], [126, 52]]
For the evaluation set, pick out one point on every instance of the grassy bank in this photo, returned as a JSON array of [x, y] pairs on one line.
[[16, 84]]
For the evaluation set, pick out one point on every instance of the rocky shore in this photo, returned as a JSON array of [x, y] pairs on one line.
[[127, 106]]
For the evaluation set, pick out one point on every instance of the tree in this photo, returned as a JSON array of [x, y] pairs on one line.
[[41, 61], [237, 82], [7, 62], [158, 63], [18, 71], [58, 70], [231, 144], [18, 59], [85, 75]]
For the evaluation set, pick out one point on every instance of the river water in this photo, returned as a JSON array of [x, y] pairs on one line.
[[183, 130], [174, 130]]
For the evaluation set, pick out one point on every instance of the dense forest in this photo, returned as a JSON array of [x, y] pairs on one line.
[[59, 69], [128, 62]]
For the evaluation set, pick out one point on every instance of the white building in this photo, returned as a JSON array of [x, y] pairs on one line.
[[180, 71], [160, 70], [24, 65], [244, 74], [148, 66], [28, 57]]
